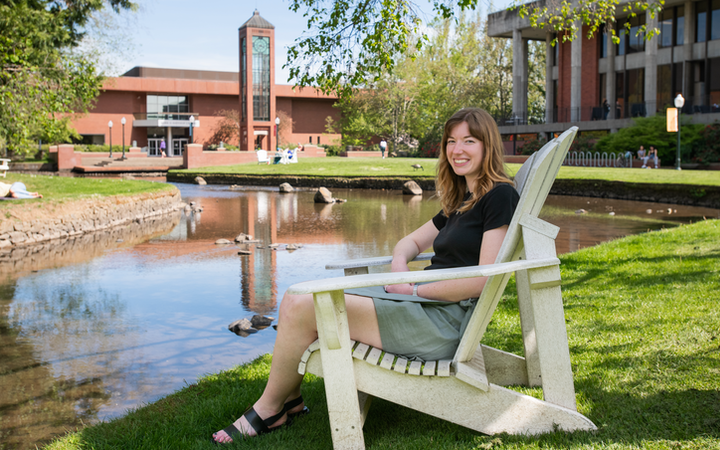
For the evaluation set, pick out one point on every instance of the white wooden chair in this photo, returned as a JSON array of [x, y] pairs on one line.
[[468, 390], [262, 156], [292, 156], [4, 166]]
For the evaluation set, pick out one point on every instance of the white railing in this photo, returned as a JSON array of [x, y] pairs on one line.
[[597, 159]]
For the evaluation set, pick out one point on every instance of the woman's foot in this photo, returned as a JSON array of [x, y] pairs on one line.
[[296, 408], [250, 424]]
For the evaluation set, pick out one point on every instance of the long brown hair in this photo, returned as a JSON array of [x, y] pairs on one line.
[[452, 188]]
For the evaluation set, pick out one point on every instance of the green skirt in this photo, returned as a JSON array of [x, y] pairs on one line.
[[418, 328]]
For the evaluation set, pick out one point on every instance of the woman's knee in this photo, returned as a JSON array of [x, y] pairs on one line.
[[296, 307]]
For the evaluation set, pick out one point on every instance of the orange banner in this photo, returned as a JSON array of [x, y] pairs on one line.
[[672, 119]]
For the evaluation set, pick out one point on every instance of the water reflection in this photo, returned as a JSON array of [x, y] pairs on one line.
[[92, 327]]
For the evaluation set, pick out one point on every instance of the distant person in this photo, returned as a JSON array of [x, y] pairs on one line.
[[642, 156], [162, 148], [17, 190], [605, 108], [300, 147], [654, 157], [383, 147]]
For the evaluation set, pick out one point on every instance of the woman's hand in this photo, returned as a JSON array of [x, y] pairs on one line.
[[406, 288]]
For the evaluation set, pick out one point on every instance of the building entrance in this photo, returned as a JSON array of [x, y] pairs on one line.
[[178, 147], [154, 147]]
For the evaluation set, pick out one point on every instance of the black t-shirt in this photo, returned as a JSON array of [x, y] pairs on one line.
[[458, 243]]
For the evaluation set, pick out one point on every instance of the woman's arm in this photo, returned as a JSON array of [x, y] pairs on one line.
[[407, 249], [458, 290]]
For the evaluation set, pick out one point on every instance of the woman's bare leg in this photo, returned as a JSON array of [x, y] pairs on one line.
[[296, 331]]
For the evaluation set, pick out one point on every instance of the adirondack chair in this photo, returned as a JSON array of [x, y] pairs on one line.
[[468, 390], [262, 157], [4, 166]]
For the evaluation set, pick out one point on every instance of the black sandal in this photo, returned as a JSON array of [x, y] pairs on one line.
[[292, 404], [256, 422]]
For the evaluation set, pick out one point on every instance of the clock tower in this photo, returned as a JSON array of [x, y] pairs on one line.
[[257, 85]]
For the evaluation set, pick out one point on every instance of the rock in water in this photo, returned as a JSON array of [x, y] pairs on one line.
[[323, 195], [285, 188], [200, 180], [260, 322], [412, 188]]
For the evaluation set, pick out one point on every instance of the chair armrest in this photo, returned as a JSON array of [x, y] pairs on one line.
[[367, 262], [381, 279]]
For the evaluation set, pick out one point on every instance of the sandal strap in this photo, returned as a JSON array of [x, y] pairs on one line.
[[260, 425], [293, 403]]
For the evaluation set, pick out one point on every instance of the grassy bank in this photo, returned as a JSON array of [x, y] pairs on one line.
[[376, 167], [643, 326], [61, 189]]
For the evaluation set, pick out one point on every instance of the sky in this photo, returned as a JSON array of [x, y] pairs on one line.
[[203, 35]]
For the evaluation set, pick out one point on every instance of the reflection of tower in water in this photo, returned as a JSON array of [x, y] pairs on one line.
[[258, 218]]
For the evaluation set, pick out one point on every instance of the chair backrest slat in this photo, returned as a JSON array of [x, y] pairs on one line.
[[533, 182]]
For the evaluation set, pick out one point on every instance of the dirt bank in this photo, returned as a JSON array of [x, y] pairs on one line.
[[708, 196], [32, 222]]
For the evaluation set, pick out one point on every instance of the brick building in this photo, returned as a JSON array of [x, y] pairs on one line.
[[637, 77], [158, 104]]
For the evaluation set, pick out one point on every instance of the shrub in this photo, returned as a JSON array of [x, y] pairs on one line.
[[647, 131], [532, 146], [707, 149], [332, 150]]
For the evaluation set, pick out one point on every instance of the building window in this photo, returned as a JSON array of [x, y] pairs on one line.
[[714, 84], [243, 77], [636, 92], [715, 20], [261, 78], [603, 41], [701, 22], [556, 51], [636, 39], [664, 85], [666, 28], [622, 35], [680, 28], [160, 106], [310, 137]]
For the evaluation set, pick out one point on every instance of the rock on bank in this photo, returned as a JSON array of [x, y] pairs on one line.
[[25, 224]]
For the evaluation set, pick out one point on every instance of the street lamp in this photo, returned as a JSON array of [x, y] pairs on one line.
[[110, 133], [679, 102], [277, 137], [122, 121], [192, 122]]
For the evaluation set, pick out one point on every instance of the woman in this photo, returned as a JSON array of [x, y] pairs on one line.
[[417, 321], [17, 190]]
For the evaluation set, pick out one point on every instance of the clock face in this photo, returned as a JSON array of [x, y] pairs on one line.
[[260, 45]]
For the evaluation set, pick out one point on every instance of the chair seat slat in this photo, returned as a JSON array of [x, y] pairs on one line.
[[374, 356], [400, 365], [429, 369], [414, 368]]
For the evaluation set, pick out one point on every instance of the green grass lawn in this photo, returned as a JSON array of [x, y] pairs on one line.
[[60, 189], [644, 332], [376, 167]]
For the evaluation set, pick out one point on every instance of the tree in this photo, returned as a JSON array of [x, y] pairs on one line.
[[458, 66], [350, 43], [647, 131], [41, 79]]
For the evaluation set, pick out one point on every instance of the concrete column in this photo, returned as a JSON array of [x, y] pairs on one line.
[[610, 77], [689, 37], [549, 94], [576, 76], [651, 48], [520, 70], [169, 142]]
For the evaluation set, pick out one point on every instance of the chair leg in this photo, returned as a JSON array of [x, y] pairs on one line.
[[340, 390]]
